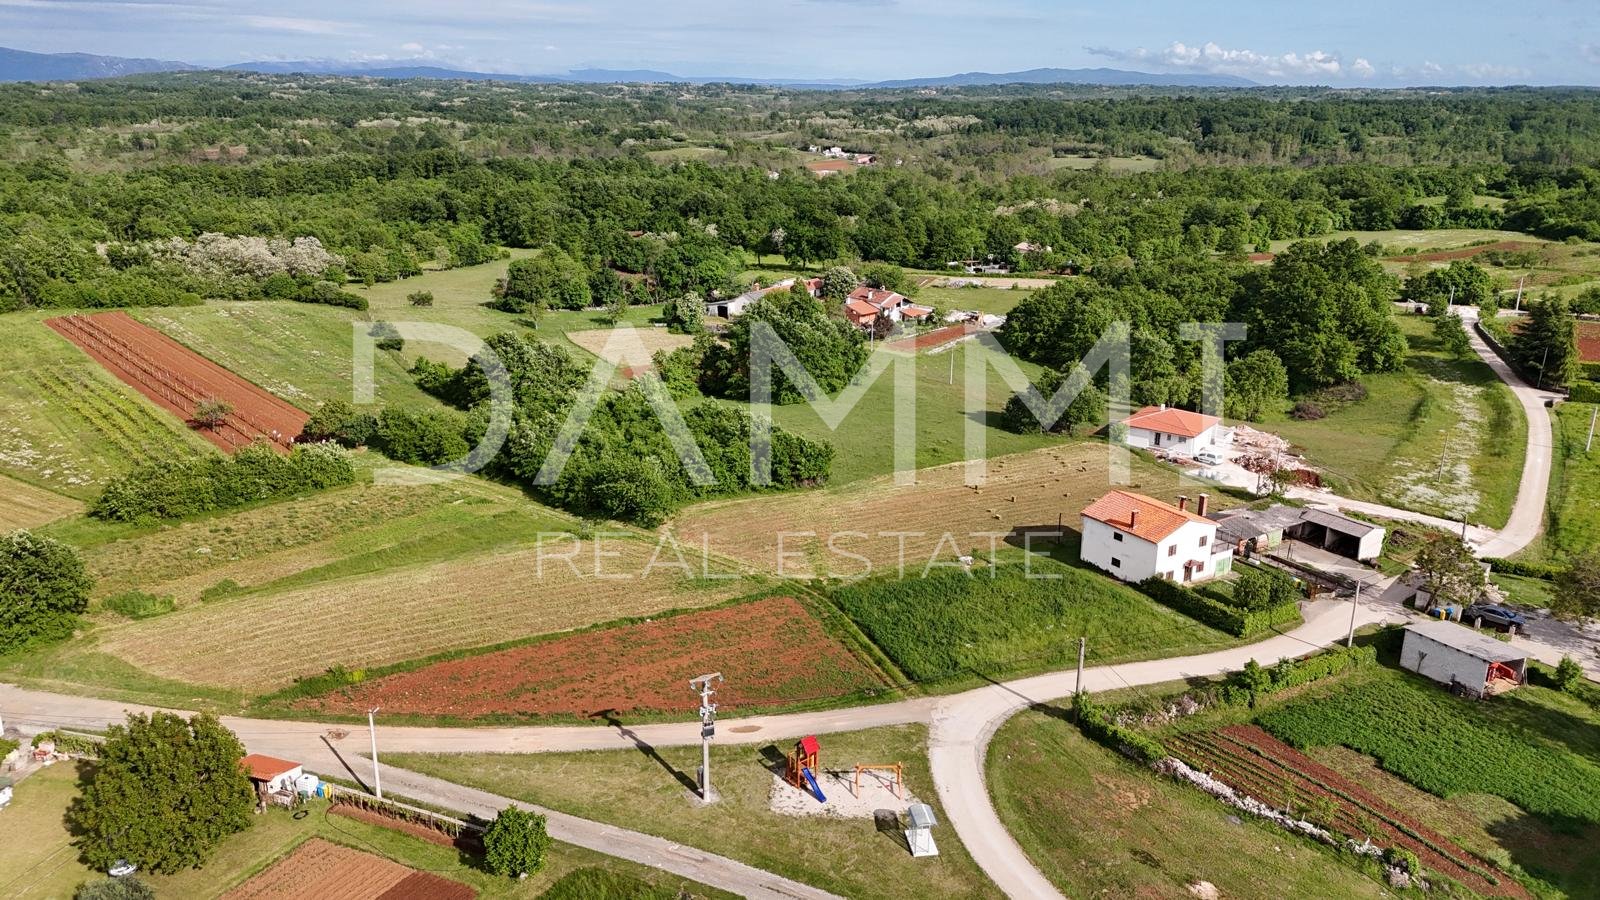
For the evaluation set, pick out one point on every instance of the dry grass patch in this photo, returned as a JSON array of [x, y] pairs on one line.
[[636, 354], [25, 506], [937, 518], [264, 641]]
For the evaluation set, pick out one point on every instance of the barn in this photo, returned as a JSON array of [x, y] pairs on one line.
[[1459, 656]]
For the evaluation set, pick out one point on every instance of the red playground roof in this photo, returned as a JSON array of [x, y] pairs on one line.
[[809, 745]]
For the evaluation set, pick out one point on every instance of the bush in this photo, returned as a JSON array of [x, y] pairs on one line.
[[1545, 571], [129, 887], [7, 745], [1404, 859], [173, 489], [1235, 621], [227, 587], [338, 421], [139, 605], [1097, 726], [1569, 675], [421, 438], [420, 298], [43, 588], [515, 843]]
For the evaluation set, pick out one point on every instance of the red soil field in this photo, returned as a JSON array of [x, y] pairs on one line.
[[416, 829], [1253, 762], [1589, 341], [176, 378], [322, 870], [1464, 252], [1262, 257], [772, 651], [936, 338]]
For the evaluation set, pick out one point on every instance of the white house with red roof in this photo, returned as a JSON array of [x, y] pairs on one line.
[[1133, 537], [866, 304], [734, 308], [1173, 430]]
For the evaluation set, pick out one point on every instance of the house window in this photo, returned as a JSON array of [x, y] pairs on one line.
[[1203, 540], [1172, 550], [1116, 536], [1116, 563]]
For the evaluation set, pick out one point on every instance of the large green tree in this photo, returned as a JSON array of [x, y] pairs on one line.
[[43, 588], [550, 280], [1257, 383], [831, 350], [1579, 594], [1546, 347], [1451, 574], [163, 794]]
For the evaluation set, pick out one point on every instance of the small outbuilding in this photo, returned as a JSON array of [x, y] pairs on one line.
[[270, 775], [1458, 656], [1261, 530]]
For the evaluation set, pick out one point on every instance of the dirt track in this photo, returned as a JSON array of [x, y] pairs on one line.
[[176, 378]]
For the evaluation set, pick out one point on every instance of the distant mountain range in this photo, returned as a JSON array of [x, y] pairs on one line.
[[22, 65]]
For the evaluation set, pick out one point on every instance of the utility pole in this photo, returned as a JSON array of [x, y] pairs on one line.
[[1350, 641], [1518, 306], [1083, 644], [952, 352], [372, 729], [1542, 361], [1452, 296], [1590, 441], [708, 728]]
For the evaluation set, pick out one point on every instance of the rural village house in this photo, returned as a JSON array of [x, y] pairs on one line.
[[1133, 537], [1173, 430], [1458, 656], [866, 304], [732, 309]]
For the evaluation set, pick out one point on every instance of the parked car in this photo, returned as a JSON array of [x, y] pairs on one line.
[[1494, 614], [1208, 458], [122, 869]]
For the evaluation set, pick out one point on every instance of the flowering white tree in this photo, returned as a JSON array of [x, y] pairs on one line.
[[214, 255]]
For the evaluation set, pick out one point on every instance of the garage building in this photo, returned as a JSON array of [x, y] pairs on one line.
[[1457, 655]]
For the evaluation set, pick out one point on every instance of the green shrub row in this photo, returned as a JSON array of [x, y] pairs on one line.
[[174, 488], [1526, 569], [68, 743], [1585, 391], [1235, 621], [1097, 725]]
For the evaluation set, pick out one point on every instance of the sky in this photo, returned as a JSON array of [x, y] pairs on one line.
[[1379, 43]]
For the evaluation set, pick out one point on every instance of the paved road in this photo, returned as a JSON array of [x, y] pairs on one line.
[[960, 728]]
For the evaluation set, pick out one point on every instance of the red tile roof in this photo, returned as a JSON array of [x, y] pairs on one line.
[[266, 768], [1168, 420], [1156, 520]]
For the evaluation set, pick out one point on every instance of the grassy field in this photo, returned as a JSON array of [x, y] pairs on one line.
[[1400, 239], [646, 791], [69, 424], [1444, 436], [1099, 825], [902, 528], [952, 626], [1111, 163], [1573, 523], [301, 352], [993, 300], [1557, 266], [41, 862]]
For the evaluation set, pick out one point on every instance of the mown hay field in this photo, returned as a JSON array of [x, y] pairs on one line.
[[24, 506], [262, 641], [886, 526]]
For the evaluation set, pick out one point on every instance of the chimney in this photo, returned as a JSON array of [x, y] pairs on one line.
[[1133, 518], [1163, 407], [1200, 504], [1183, 502]]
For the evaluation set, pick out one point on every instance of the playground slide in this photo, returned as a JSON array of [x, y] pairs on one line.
[[815, 789]]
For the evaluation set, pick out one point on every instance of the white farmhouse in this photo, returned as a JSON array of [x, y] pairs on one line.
[[1133, 537], [1173, 430], [271, 775]]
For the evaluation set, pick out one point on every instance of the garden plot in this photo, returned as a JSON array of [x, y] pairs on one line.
[[328, 871], [634, 351], [1445, 482]]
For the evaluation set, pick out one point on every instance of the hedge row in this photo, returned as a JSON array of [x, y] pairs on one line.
[[1545, 571], [1585, 391], [1235, 621], [174, 488], [1097, 725]]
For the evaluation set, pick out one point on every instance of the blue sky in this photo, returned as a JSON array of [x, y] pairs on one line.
[[1349, 42]]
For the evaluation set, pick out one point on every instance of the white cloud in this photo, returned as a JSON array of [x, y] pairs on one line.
[[298, 25], [1494, 72], [1215, 59], [1590, 53]]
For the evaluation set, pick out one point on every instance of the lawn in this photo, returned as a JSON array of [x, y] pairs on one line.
[[1097, 824], [993, 300], [1014, 619], [646, 790], [41, 862], [69, 424], [1444, 436]]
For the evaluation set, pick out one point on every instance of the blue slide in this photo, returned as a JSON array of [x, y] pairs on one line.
[[812, 780]]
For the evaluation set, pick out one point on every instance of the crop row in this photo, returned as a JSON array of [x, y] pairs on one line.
[[128, 427], [1255, 764], [1445, 746]]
